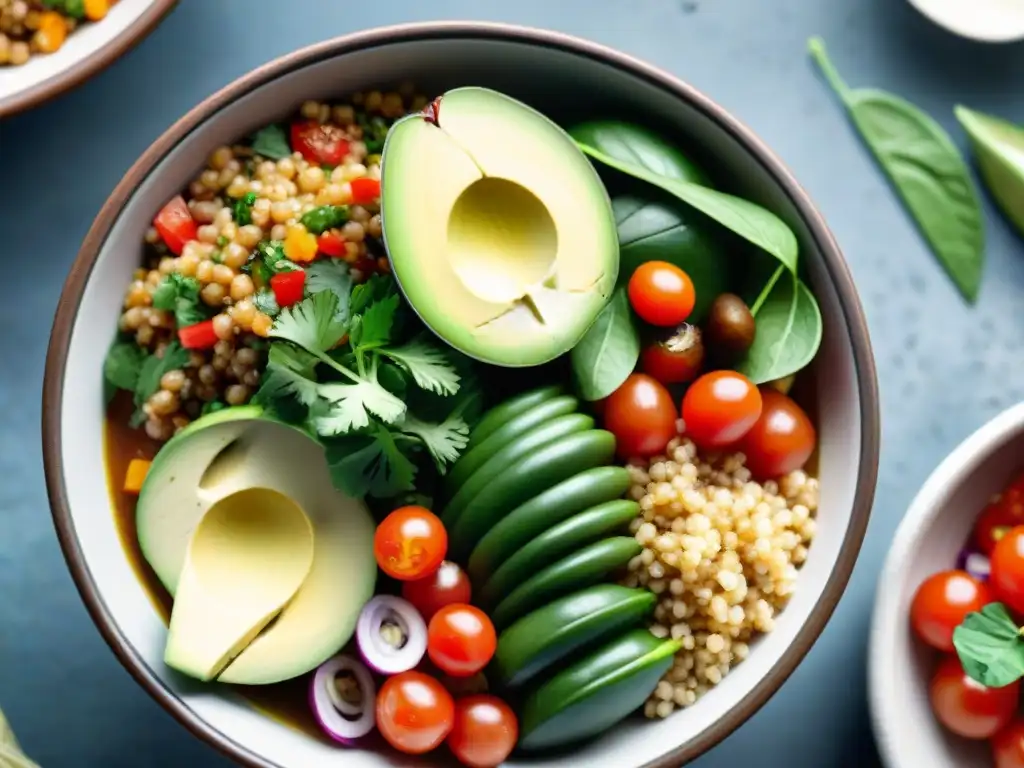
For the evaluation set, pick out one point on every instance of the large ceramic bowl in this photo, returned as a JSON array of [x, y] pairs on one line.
[[88, 50], [935, 528], [569, 79]]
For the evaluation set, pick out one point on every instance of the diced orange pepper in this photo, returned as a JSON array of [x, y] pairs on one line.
[[52, 32], [136, 474], [300, 245], [96, 9]]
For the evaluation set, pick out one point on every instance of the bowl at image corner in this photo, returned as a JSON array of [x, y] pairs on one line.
[[87, 51], [935, 528], [569, 79]]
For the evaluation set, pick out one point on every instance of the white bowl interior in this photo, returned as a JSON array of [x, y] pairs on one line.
[[990, 21], [929, 539], [83, 42], [542, 77]]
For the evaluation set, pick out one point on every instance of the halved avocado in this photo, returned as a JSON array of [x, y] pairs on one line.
[[499, 230], [228, 453]]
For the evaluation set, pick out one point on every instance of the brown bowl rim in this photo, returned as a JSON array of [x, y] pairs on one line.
[[93, 64], [834, 262]]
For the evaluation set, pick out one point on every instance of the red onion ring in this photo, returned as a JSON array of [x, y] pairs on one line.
[[341, 725], [975, 563], [380, 654]]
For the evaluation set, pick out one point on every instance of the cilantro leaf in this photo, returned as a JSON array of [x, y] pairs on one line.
[[376, 288], [312, 323], [369, 464], [271, 142], [331, 276], [243, 209], [352, 405], [271, 254], [123, 364], [179, 294], [153, 368], [290, 372], [428, 365], [445, 441], [990, 646], [266, 302], [374, 330]]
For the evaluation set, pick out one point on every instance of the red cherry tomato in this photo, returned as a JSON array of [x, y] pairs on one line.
[[1007, 745], [661, 293], [288, 287], [676, 360], [641, 415], [175, 224], [319, 143], [781, 440], [968, 708], [410, 543], [484, 733], [461, 640], [1007, 563], [999, 516], [365, 190], [414, 712], [447, 585], [940, 604], [198, 336], [720, 408]]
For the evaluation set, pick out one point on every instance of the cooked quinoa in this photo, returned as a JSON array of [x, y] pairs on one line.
[[28, 27], [722, 552]]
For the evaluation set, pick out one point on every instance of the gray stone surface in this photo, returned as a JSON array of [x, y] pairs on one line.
[[944, 368]]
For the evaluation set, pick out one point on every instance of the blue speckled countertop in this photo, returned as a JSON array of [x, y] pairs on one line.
[[944, 368]]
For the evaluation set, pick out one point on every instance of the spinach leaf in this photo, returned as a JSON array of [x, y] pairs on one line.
[[608, 352], [271, 142], [636, 145], [999, 151], [925, 168], [990, 646], [788, 329], [654, 230]]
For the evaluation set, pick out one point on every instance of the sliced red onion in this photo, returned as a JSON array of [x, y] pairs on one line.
[[391, 634], [975, 563], [348, 721]]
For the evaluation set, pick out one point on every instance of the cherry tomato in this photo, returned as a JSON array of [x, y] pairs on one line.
[[1007, 578], [641, 415], [1007, 745], [968, 708], [999, 516], [677, 359], [414, 712], [781, 440], [720, 408], [319, 143], [410, 543], [484, 733], [447, 585], [661, 293], [940, 604], [460, 640], [175, 224]]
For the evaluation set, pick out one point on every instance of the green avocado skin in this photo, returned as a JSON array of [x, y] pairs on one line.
[[596, 692]]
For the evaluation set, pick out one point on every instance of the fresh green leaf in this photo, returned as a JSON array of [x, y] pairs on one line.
[[123, 364], [445, 441], [271, 253], [990, 646], [179, 294], [926, 170], [331, 275], [266, 302], [290, 372], [748, 220], [152, 370], [378, 287], [999, 152], [640, 146], [788, 329], [351, 406], [320, 219], [374, 329], [428, 365], [312, 323], [369, 464], [607, 354], [243, 209], [271, 142], [11, 754]]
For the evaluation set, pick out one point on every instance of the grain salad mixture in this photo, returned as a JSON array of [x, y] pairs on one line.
[[28, 27]]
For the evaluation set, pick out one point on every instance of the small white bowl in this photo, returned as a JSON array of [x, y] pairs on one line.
[[88, 50], [988, 21], [928, 540]]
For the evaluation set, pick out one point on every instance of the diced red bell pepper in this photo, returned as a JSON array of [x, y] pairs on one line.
[[198, 336], [318, 143], [175, 224], [365, 190], [288, 287], [331, 245]]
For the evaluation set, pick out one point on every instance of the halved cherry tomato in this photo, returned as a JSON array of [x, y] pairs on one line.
[[968, 708], [414, 712], [1007, 745], [288, 287], [999, 516], [720, 408], [175, 224], [365, 190], [447, 585], [940, 604], [676, 360], [461, 640], [641, 415], [198, 336], [484, 733], [331, 245], [410, 543], [661, 293], [1007, 563], [781, 440], [319, 143]]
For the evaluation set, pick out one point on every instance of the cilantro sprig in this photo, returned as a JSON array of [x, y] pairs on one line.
[[179, 294]]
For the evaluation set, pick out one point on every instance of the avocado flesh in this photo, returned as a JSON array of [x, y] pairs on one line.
[[499, 230]]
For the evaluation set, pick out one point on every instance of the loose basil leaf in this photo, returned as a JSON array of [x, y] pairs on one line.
[[748, 220], [656, 230], [271, 142], [639, 146], [990, 646], [925, 168], [608, 352], [999, 151], [788, 329]]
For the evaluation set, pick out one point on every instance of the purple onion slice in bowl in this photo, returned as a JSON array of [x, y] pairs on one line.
[[343, 679], [975, 563], [391, 635]]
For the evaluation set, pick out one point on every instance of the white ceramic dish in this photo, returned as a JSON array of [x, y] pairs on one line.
[[540, 68], [988, 21], [87, 51], [928, 540]]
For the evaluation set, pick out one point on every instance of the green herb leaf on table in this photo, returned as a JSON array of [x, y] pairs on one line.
[[179, 294], [926, 169], [445, 441], [640, 146], [427, 364], [990, 646], [312, 323], [998, 148], [152, 370], [271, 142], [608, 352], [243, 209], [369, 464]]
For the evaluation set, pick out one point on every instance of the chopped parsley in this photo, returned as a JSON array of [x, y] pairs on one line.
[[180, 295], [271, 142], [243, 209], [318, 220]]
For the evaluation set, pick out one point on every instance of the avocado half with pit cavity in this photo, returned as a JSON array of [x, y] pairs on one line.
[[221, 459], [499, 230]]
